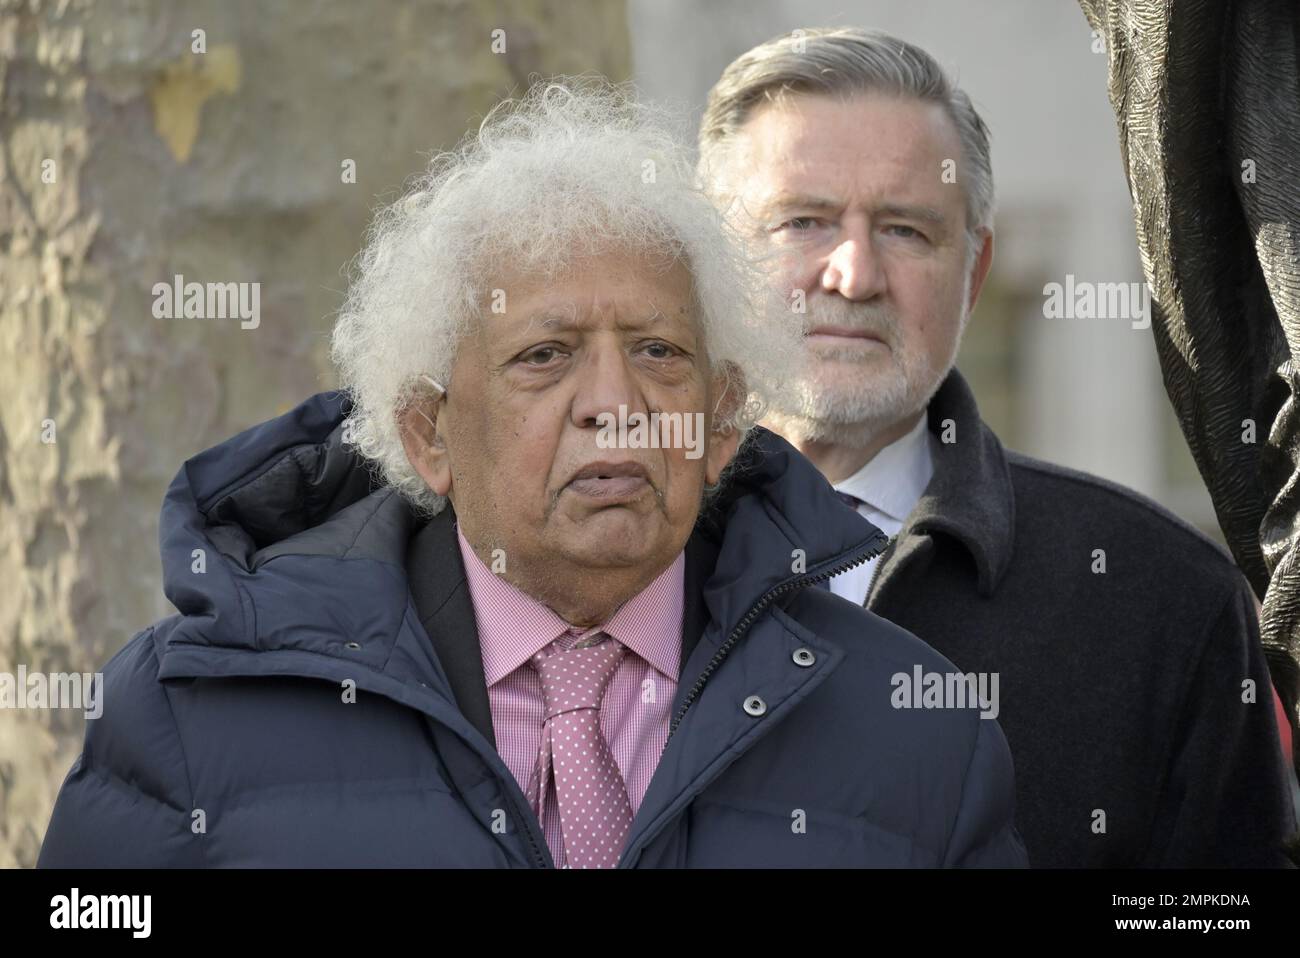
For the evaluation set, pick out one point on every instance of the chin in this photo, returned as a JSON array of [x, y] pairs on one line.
[[614, 538], [609, 555]]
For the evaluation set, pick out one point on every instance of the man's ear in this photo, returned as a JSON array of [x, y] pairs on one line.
[[980, 268], [423, 442], [723, 443]]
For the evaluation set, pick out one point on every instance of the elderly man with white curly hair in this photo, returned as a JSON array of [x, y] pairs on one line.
[[533, 590]]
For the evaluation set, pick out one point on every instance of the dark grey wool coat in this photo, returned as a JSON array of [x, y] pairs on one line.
[[1121, 692]]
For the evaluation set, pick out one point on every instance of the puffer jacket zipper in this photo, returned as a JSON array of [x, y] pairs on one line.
[[875, 573], [867, 553]]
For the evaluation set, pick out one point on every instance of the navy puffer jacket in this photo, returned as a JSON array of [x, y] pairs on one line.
[[226, 739]]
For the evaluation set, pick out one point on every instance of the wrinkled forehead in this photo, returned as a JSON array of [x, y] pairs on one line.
[[615, 289], [815, 145]]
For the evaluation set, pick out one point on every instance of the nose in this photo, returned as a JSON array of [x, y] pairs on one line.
[[853, 268], [605, 381]]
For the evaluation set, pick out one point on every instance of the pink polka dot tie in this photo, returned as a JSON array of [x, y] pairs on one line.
[[595, 814]]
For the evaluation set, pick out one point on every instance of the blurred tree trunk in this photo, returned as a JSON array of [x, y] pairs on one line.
[[215, 140]]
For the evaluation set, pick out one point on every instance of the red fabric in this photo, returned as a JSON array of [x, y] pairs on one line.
[[1283, 726]]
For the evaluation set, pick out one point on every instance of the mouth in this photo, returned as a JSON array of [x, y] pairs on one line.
[[610, 482], [842, 333]]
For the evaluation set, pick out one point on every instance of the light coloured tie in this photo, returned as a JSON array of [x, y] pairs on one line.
[[595, 813]]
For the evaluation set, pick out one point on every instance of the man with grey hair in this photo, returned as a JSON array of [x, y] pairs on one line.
[[536, 592], [1136, 696]]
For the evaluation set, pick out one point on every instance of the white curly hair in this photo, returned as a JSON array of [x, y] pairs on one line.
[[574, 167]]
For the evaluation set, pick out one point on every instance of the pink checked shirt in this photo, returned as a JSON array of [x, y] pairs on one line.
[[634, 715]]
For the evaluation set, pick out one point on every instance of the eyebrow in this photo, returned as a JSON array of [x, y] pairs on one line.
[[926, 214], [810, 201], [550, 320], [802, 200]]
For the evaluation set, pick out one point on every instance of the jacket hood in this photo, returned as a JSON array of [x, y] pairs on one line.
[[281, 538]]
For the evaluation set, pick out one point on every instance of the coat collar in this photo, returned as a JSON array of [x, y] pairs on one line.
[[970, 496]]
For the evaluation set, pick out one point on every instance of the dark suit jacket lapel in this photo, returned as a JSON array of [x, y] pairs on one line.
[[701, 558], [438, 585]]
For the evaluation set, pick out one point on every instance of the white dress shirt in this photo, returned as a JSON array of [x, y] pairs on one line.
[[890, 485]]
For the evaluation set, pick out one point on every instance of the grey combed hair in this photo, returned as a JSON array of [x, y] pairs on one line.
[[842, 62], [575, 167]]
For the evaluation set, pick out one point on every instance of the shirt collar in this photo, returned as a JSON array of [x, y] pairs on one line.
[[896, 477], [513, 626]]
